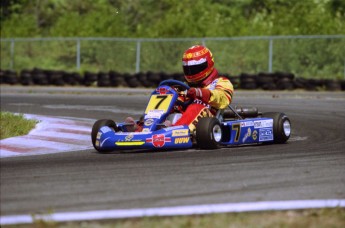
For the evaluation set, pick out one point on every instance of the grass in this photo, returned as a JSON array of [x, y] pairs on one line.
[[14, 125], [317, 218]]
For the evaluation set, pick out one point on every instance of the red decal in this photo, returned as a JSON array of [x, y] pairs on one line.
[[162, 90], [158, 140]]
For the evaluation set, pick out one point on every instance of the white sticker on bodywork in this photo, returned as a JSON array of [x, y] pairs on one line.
[[247, 135], [155, 114], [247, 124], [263, 123], [265, 134], [105, 129]]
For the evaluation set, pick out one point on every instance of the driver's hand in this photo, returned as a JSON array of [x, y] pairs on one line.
[[199, 93]]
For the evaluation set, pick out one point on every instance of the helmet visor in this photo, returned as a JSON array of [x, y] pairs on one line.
[[194, 69]]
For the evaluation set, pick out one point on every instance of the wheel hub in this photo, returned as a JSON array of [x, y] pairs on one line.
[[217, 133], [287, 128]]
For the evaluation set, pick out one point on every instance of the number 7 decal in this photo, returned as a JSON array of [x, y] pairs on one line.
[[237, 128], [159, 102], [162, 98]]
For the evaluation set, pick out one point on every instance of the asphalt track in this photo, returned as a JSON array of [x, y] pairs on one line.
[[310, 166]]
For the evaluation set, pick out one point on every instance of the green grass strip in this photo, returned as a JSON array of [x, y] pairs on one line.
[[12, 125]]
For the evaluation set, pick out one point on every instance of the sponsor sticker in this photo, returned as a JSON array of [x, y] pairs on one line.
[[194, 62], [148, 122], [265, 134], [247, 124], [255, 134], [99, 134], [158, 140], [181, 132], [197, 101], [181, 140], [162, 90], [129, 137], [173, 128], [128, 141], [263, 123], [247, 135], [213, 84], [155, 114]]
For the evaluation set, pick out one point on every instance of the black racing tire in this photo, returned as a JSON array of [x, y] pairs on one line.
[[280, 134], [342, 82], [269, 86], [25, 78], [10, 77], [285, 84], [95, 128], [208, 133], [153, 77], [131, 81], [265, 78], [332, 85]]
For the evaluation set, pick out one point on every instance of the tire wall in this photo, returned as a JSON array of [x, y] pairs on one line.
[[264, 81]]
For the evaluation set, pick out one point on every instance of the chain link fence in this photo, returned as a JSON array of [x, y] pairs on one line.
[[304, 56]]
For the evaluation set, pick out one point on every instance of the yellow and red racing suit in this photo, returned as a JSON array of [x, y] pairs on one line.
[[221, 96]]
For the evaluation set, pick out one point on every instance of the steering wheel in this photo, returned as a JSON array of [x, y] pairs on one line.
[[172, 83]]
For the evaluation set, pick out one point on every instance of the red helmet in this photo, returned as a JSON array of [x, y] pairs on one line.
[[197, 64]]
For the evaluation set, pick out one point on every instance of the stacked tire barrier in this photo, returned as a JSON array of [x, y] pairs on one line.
[[264, 81]]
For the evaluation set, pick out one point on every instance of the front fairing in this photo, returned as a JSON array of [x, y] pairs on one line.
[[159, 106], [154, 134], [161, 103], [171, 137]]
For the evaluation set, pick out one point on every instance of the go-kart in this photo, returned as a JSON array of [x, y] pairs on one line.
[[229, 127]]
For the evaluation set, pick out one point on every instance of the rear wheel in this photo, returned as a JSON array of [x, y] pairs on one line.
[[208, 133], [281, 126], [95, 129]]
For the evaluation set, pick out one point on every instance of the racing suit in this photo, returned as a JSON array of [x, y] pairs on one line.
[[221, 92]]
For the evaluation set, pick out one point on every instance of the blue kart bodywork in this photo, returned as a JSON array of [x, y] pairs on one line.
[[222, 130]]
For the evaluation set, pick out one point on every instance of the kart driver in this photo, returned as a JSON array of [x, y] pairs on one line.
[[208, 90]]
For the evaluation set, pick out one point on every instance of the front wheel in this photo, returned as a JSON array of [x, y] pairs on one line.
[[208, 133], [95, 129], [281, 126]]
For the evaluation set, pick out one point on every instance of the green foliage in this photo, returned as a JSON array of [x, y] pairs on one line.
[[170, 18], [174, 19], [310, 57], [108, 55]]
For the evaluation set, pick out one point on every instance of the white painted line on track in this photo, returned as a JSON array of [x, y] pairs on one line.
[[174, 211], [56, 133], [297, 138]]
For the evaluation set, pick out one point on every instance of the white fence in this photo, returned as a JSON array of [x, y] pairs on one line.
[[306, 56]]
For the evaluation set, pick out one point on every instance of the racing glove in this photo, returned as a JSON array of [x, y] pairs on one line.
[[199, 93]]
